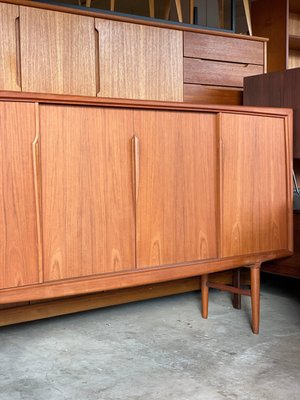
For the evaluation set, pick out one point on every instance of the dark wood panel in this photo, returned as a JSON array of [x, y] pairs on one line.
[[223, 49], [269, 19], [212, 95], [218, 73]]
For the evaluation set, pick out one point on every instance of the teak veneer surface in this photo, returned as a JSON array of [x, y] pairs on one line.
[[88, 210], [9, 47], [18, 213], [57, 52], [139, 61]]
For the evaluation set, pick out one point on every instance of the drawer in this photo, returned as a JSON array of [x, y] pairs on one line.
[[221, 48], [212, 94], [217, 73]]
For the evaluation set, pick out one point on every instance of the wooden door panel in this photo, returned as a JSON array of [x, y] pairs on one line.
[[57, 52], [139, 61], [176, 198], [9, 72], [87, 196], [254, 185], [18, 217]]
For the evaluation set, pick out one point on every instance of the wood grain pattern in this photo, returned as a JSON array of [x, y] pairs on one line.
[[229, 49], [294, 24], [254, 185], [218, 73], [57, 52], [18, 226], [88, 213], [139, 62], [205, 94], [176, 217], [9, 74]]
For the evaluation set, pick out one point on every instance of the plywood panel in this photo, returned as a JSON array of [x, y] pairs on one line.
[[176, 199], [57, 52], [253, 185], [87, 193], [139, 62], [18, 219], [9, 72]]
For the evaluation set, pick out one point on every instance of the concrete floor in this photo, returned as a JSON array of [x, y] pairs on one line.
[[159, 349]]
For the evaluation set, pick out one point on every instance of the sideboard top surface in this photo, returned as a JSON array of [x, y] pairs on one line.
[[125, 18], [141, 104]]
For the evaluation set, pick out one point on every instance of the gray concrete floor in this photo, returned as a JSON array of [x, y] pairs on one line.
[[159, 349]]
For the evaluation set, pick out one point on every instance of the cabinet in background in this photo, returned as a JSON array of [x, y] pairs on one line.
[[10, 73], [57, 52]]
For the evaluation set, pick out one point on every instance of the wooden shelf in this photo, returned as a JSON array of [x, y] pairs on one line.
[[294, 42]]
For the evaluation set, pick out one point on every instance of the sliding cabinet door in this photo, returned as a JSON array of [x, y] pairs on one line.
[[176, 188], [87, 194], [9, 47], [19, 245], [57, 52], [255, 185]]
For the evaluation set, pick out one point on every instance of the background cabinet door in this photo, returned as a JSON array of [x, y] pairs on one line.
[[176, 187], [139, 61], [254, 215], [9, 47], [18, 212], [87, 194], [57, 52]]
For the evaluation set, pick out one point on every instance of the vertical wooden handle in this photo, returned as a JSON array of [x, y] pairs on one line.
[[18, 53], [97, 63], [36, 175], [136, 165]]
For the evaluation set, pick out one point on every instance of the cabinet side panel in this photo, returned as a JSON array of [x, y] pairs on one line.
[[87, 193], [177, 197], [140, 62], [57, 52], [18, 225], [9, 73], [254, 185]]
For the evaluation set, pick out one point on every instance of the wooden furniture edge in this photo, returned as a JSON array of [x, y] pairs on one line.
[[130, 278], [142, 104], [133, 20]]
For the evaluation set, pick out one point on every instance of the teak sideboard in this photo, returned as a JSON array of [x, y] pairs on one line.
[[53, 49], [100, 194]]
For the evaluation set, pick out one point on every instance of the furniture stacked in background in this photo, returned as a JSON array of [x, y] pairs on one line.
[[278, 20], [58, 50], [281, 89]]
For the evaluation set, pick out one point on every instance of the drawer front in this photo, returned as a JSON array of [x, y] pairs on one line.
[[213, 47], [218, 73], [212, 94]]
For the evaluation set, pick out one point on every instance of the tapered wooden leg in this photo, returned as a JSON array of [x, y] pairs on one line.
[[167, 9], [204, 294], [248, 15], [179, 10], [151, 8], [88, 3], [236, 282], [192, 5], [112, 5], [255, 297]]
